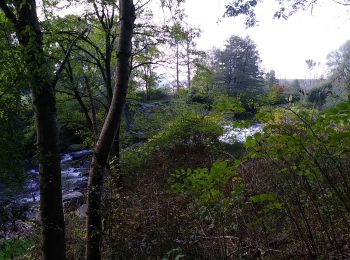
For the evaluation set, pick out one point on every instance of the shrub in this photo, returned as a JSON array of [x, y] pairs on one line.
[[204, 185], [287, 198], [188, 131], [228, 104], [15, 249], [188, 128], [308, 175]]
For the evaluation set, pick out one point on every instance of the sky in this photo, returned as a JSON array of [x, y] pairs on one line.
[[284, 45]]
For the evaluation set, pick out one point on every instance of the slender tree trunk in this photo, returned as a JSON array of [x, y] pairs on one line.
[[29, 34], [177, 68], [108, 80], [128, 116], [114, 151], [92, 105], [78, 97], [109, 129], [188, 64], [146, 83]]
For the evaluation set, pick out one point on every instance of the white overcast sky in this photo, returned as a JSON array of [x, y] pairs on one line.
[[283, 45]]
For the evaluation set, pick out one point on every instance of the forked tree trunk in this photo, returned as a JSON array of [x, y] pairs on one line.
[[26, 24], [109, 129]]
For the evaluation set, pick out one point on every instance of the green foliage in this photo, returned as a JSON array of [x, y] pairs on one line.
[[189, 128], [317, 96], [169, 127], [203, 185], [308, 153], [228, 104], [270, 79], [136, 159], [15, 115], [338, 64], [269, 198], [15, 249], [73, 128], [203, 79], [237, 67], [292, 182], [202, 84]]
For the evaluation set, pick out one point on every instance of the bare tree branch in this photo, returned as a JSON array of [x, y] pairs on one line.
[[60, 69]]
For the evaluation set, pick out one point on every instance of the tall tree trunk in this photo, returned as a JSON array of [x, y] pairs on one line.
[[29, 33], [108, 80], [114, 151], [51, 209], [188, 64], [177, 68], [109, 129], [145, 75], [78, 97], [92, 105]]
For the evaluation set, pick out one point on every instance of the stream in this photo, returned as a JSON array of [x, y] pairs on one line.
[[232, 135], [75, 167]]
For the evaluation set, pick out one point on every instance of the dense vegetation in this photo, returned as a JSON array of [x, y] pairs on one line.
[[167, 180]]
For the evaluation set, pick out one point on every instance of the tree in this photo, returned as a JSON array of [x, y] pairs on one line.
[[23, 16], [146, 55], [109, 130], [191, 34], [15, 117], [270, 78], [310, 64], [287, 8], [177, 37], [339, 64], [238, 65]]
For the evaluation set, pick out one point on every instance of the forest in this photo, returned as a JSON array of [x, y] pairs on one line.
[[121, 139]]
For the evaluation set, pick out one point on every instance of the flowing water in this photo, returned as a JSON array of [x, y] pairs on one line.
[[232, 135], [74, 165]]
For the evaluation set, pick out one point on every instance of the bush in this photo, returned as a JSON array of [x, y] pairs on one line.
[[15, 249], [308, 174], [228, 104], [204, 185], [188, 131], [188, 128], [287, 198]]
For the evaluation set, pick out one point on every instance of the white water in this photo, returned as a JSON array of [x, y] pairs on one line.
[[232, 135], [74, 171], [73, 177]]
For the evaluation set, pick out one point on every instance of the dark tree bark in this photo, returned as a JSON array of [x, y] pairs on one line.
[[108, 81], [78, 97], [92, 105], [26, 23], [109, 129]]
